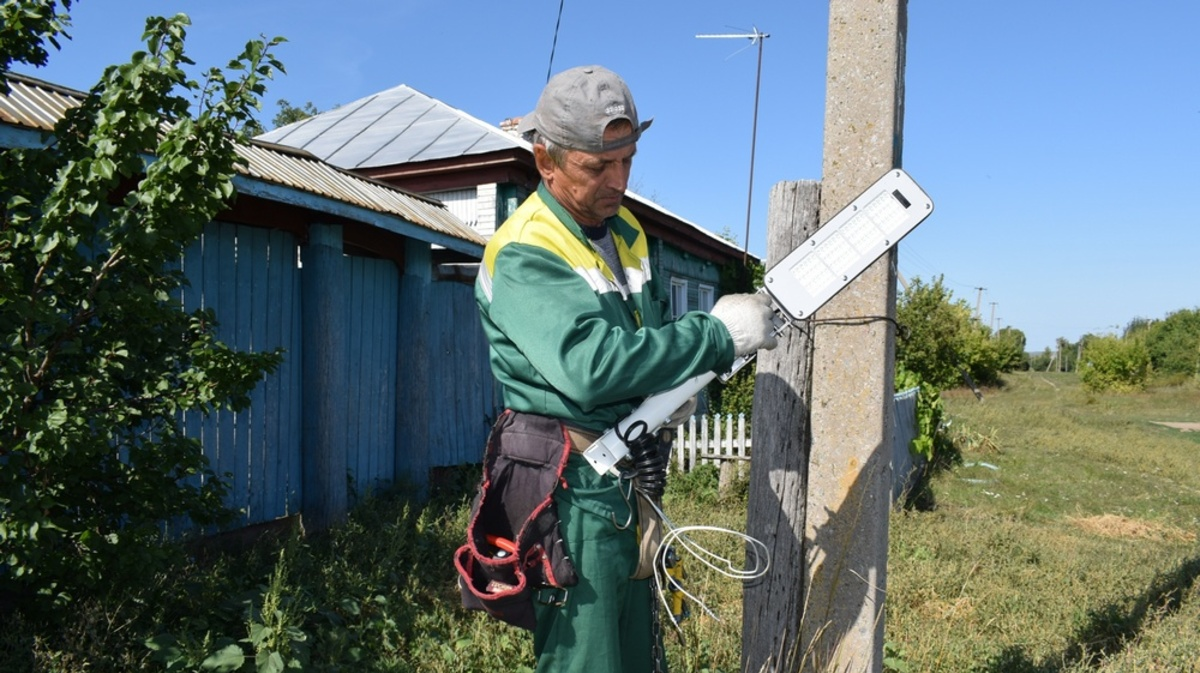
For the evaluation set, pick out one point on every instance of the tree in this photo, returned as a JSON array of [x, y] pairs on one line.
[[1174, 343], [1041, 361], [1112, 364], [25, 28], [289, 114], [1010, 347], [1068, 353], [100, 359], [935, 333], [1137, 328]]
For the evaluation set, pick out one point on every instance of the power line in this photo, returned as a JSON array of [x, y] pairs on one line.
[[554, 44]]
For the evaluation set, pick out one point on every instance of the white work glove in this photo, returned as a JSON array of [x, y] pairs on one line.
[[684, 412], [748, 319]]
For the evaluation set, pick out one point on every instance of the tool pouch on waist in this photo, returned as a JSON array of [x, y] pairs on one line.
[[513, 543]]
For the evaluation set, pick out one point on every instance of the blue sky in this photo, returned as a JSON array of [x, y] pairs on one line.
[[1058, 139]]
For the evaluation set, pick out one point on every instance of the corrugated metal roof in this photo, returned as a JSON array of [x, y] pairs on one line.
[[403, 125], [36, 104], [397, 126]]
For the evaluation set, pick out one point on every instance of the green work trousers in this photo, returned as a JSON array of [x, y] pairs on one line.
[[604, 623]]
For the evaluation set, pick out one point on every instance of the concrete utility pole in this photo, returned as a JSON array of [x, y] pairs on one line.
[[978, 301], [850, 474]]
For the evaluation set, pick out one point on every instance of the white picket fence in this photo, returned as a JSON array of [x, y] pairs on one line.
[[722, 440], [705, 440]]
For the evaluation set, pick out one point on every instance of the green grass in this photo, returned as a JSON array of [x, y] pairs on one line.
[[377, 594], [1063, 541], [1077, 552]]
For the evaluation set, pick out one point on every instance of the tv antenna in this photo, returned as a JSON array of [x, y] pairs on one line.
[[756, 38]]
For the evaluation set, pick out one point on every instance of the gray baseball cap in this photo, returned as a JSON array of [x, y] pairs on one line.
[[578, 104]]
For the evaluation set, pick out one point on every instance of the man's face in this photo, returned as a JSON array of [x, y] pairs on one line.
[[590, 186]]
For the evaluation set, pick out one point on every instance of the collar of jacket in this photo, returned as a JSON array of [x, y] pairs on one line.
[[563, 216]]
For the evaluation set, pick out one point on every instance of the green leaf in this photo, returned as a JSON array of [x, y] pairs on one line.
[[227, 659], [57, 418], [269, 662], [166, 650], [259, 633]]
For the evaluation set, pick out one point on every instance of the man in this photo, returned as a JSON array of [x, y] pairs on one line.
[[579, 335]]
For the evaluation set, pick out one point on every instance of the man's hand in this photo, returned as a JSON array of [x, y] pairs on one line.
[[748, 319]]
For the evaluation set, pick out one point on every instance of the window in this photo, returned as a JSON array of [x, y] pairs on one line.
[[462, 203], [706, 297], [679, 304]]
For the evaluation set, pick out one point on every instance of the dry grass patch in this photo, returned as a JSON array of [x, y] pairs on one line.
[[942, 609], [1115, 525]]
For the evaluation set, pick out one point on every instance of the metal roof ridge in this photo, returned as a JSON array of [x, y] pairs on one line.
[[490, 128]]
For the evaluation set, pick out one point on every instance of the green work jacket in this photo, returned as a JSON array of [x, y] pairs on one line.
[[565, 341]]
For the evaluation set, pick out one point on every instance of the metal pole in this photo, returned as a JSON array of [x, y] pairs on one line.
[[753, 144], [755, 37]]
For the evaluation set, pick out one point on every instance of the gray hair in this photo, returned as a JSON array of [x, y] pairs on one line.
[[556, 152]]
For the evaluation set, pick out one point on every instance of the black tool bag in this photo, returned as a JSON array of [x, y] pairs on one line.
[[513, 547]]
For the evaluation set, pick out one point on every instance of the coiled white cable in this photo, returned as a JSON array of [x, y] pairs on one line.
[[757, 555]]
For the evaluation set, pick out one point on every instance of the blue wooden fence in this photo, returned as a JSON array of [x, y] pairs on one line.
[[252, 279], [417, 388]]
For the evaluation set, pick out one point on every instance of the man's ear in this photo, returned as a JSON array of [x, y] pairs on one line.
[[545, 165]]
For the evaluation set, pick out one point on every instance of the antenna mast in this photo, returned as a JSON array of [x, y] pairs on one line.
[[756, 37]]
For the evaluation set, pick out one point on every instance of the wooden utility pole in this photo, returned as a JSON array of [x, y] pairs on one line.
[[850, 473], [773, 605]]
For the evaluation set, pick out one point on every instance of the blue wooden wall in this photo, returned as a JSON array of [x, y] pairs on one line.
[[252, 279]]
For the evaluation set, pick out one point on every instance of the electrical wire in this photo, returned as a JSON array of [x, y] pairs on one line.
[[758, 556], [554, 44]]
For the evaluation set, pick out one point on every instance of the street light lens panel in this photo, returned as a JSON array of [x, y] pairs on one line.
[[841, 252], [853, 239]]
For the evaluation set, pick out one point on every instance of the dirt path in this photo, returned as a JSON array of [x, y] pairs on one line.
[[1186, 427]]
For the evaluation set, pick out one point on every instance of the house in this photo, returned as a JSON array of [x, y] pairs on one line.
[[379, 382], [385, 376], [483, 172]]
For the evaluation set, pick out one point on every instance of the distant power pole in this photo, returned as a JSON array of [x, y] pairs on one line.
[[992, 322], [979, 300], [755, 37]]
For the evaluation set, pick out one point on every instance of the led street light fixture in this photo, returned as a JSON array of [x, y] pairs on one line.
[[845, 246]]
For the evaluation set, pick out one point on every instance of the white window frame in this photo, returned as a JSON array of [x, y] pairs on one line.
[[706, 297], [679, 287]]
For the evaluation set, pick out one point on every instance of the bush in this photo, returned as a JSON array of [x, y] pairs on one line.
[[1112, 364], [930, 442], [100, 361], [941, 342]]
